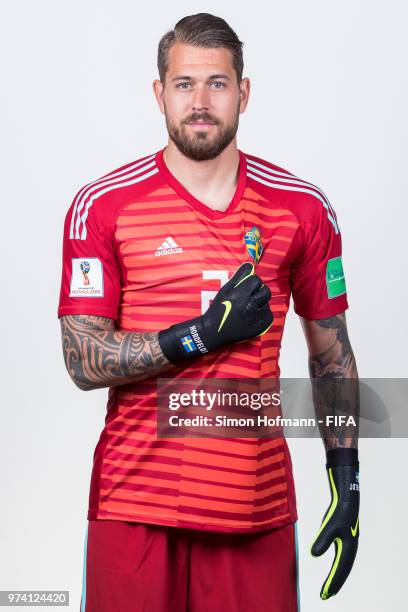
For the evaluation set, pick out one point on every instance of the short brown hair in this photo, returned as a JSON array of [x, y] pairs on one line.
[[201, 30]]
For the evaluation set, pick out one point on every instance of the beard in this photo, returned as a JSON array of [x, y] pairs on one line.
[[202, 146]]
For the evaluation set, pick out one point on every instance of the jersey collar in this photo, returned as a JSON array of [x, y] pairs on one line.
[[188, 197]]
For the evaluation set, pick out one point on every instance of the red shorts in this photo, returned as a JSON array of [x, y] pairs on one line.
[[134, 567]]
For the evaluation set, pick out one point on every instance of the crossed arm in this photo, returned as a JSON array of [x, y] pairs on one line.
[[98, 355]]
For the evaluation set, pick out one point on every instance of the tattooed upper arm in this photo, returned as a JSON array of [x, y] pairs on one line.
[[76, 336], [98, 355], [330, 351]]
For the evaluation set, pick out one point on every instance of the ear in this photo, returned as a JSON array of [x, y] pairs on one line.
[[244, 89], [158, 90]]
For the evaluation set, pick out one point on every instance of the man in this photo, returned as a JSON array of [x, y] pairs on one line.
[[159, 280]]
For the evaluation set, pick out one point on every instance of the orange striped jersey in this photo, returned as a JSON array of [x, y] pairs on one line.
[[140, 249]]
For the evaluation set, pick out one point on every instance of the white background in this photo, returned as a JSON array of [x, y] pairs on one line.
[[329, 100]]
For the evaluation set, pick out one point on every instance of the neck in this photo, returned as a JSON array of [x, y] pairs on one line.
[[212, 181]]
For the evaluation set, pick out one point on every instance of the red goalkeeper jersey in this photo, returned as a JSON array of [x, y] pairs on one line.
[[140, 249]]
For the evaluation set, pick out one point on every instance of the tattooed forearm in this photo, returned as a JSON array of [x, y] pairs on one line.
[[98, 355], [334, 376]]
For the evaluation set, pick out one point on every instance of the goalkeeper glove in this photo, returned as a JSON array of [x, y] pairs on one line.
[[239, 311], [340, 523]]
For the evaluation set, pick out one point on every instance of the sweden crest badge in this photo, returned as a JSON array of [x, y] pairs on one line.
[[254, 243]]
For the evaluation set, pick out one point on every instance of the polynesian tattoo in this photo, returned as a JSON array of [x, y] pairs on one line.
[[335, 386], [98, 355]]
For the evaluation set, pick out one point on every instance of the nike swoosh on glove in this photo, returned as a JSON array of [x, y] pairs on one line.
[[239, 311], [340, 524]]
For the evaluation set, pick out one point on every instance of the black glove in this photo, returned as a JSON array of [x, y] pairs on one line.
[[340, 523], [239, 311]]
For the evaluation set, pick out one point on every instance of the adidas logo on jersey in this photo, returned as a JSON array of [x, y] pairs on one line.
[[168, 247]]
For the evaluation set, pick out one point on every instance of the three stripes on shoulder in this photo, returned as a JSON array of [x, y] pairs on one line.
[[145, 168], [139, 171]]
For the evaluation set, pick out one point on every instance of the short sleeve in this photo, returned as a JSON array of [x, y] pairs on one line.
[[317, 277], [91, 279]]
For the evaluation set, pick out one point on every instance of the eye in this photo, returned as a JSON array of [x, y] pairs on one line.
[[182, 85], [218, 84]]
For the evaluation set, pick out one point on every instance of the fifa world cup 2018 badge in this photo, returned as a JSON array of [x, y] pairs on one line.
[[254, 243], [85, 267]]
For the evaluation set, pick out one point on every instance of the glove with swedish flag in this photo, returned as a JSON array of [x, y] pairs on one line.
[[239, 311], [340, 523]]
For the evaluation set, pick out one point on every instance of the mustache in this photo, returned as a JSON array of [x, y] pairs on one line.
[[206, 117]]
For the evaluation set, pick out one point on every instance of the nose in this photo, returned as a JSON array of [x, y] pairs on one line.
[[200, 101]]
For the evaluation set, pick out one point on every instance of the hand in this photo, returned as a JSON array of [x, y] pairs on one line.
[[239, 311], [340, 523]]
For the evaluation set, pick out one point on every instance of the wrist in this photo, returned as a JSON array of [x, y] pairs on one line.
[[341, 456], [183, 341]]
